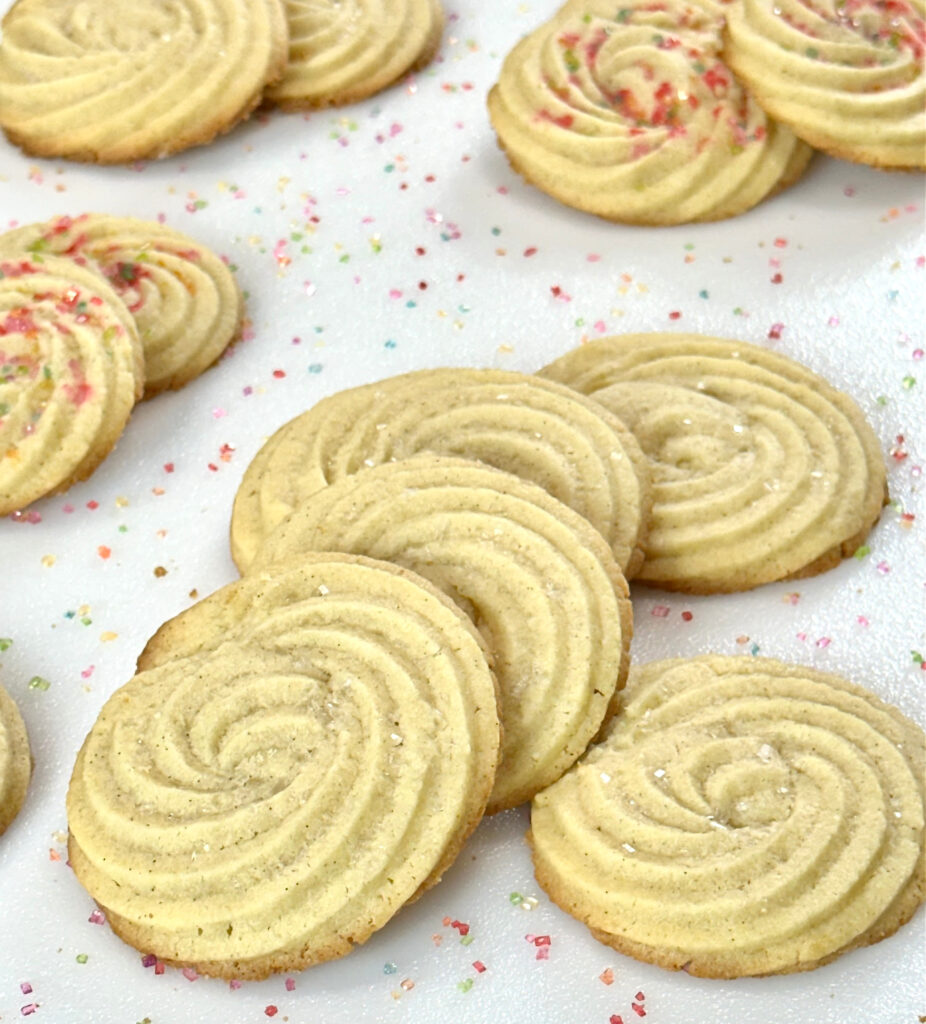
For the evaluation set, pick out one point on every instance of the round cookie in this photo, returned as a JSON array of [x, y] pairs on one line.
[[538, 430], [341, 51], [300, 755], [847, 77], [15, 760], [742, 817], [630, 113], [761, 470], [110, 81], [71, 369], [184, 299], [538, 581]]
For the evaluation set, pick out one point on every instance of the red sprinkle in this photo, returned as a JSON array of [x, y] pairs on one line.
[[675, 315], [270, 1011], [460, 926], [687, 616], [479, 966], [279, 373]]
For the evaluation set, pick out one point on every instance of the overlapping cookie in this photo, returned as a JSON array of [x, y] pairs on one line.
[[345, 50], [537, 580], [15, 760], [71, 369], [742, 817], [848, 77], [110, 81], [300, 755], [630, 113], [761, 470], [536, 429], [184, 299]]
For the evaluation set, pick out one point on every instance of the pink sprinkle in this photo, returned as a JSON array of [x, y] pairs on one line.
[[189, 974], [234, 984], [862, 621], [917, 353], [149, 960], [883, 568], [159, 968], [833, 321], [479, 966], [600, 326], [824, 642], [780, 243], [502, 190], [25, 988], [530, 251], [394, 293], [29, 1009], [543, 953], [290, 985], [541, 940], [802, 637], [67, 509], [849, 190], [218, 413], [774, 332], [606, 976], [97, 917], [660, 611], [593, 257]]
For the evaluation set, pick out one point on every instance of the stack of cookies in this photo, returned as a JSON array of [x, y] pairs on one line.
[[112, 82], [98, 312], [434, 623], [635, 114]]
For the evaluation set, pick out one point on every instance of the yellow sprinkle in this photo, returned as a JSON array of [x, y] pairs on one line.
[[48, 561], [121, 502], [108, 636]]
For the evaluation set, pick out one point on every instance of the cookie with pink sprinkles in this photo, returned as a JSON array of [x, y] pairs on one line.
[[71, 369], [633, 115]]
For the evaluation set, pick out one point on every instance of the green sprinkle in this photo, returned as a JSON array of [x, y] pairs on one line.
[[908, 382], [754, 650], [4, 408], [812, 52], [580, 322], [38, 683], [861, 551], [389, 168], [465, 986], [123, 529], [917, 658], [496, 231], [570, 60], [515, 898], [46, 372], [466, 940], [881, 399], [5, 643], [344, 259], [81, 958], [704, 293], [86, 621]]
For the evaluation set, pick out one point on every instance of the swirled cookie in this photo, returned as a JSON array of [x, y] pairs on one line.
[[846, 75], [630, 113], [15, 760], [538, 430], [71, 369], [742, 817], [761, 470], [184, 299], [341, 51], [538, 581], [110, 82], [301, 754]]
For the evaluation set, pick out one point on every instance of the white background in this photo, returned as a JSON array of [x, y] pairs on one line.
[[335, 223]]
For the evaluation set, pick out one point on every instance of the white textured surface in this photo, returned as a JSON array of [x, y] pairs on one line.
[[850, 246]]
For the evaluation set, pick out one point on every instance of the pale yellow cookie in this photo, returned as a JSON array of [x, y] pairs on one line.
[[761, 469], [110, 81], [538, 581], [15, 760], [71, 369], [341, 51], [848, 76], [184, 299], [301, 755], [742, 817], [538, 430], [629, 112]]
